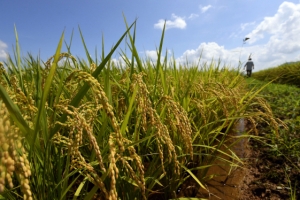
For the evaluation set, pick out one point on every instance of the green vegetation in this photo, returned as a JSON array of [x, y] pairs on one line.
[[72, 129], [288, 73], [283, 151], [285, 104]]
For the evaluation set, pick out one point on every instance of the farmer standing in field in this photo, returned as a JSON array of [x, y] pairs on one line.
[[249, 66]]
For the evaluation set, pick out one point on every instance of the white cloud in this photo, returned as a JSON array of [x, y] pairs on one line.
[[204, 8], [243, 28], [151, 54], [177, 22], [209, 51], [284, 24], [3, 48], [245, 25], [193, 16], [281, 44], [262, 56], [119, 61]]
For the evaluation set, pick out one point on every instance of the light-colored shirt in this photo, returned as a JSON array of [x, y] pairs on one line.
[[250, 65]]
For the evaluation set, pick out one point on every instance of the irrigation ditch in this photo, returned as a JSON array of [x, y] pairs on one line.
[[226, 181], [248, 181]]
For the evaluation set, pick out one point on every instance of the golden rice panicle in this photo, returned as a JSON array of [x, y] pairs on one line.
[[115, 138], [102, 99], [2, 71], [116, 141], [229, 94], [77, 124], [113, 170], [14, 82], [201, 108], [75, 137], [142, 98], [93, 67], [13, 157], [93, 141], [253, 124], [265, 114], [60, 139], [181, 123], [135, 169], [140, 180], [220, 96], [48, 64], [61, 56], [25, 103], [24, 172], [150, 116]]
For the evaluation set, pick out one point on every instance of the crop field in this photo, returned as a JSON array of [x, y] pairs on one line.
[[278, 158], [139, 129]]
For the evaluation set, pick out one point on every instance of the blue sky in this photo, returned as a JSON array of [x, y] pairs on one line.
[[216, 27]]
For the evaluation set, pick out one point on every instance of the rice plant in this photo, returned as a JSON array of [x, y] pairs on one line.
[[287, 73], [72, 129]]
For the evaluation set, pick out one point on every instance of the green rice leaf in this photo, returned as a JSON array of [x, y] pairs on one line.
[[41, 119], [84, 89], [85, 48], [158, 65], [193, 176], [77, 193], [18, 57], [129, 111], [129, 180], [91, 194]]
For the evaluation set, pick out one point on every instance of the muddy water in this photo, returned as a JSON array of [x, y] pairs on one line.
[[227, 181]]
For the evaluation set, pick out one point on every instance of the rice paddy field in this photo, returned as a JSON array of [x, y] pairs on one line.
[[73, 128]]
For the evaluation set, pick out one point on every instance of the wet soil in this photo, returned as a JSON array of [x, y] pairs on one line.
[[267, 176], [224, 186], [228, 182], [262, 176]]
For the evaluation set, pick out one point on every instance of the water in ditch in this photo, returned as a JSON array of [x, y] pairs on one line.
[[227, 180]]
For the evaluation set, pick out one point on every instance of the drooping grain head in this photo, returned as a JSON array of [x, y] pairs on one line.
[[178, 117], [80, 124], [151, 117], [13, 156]]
